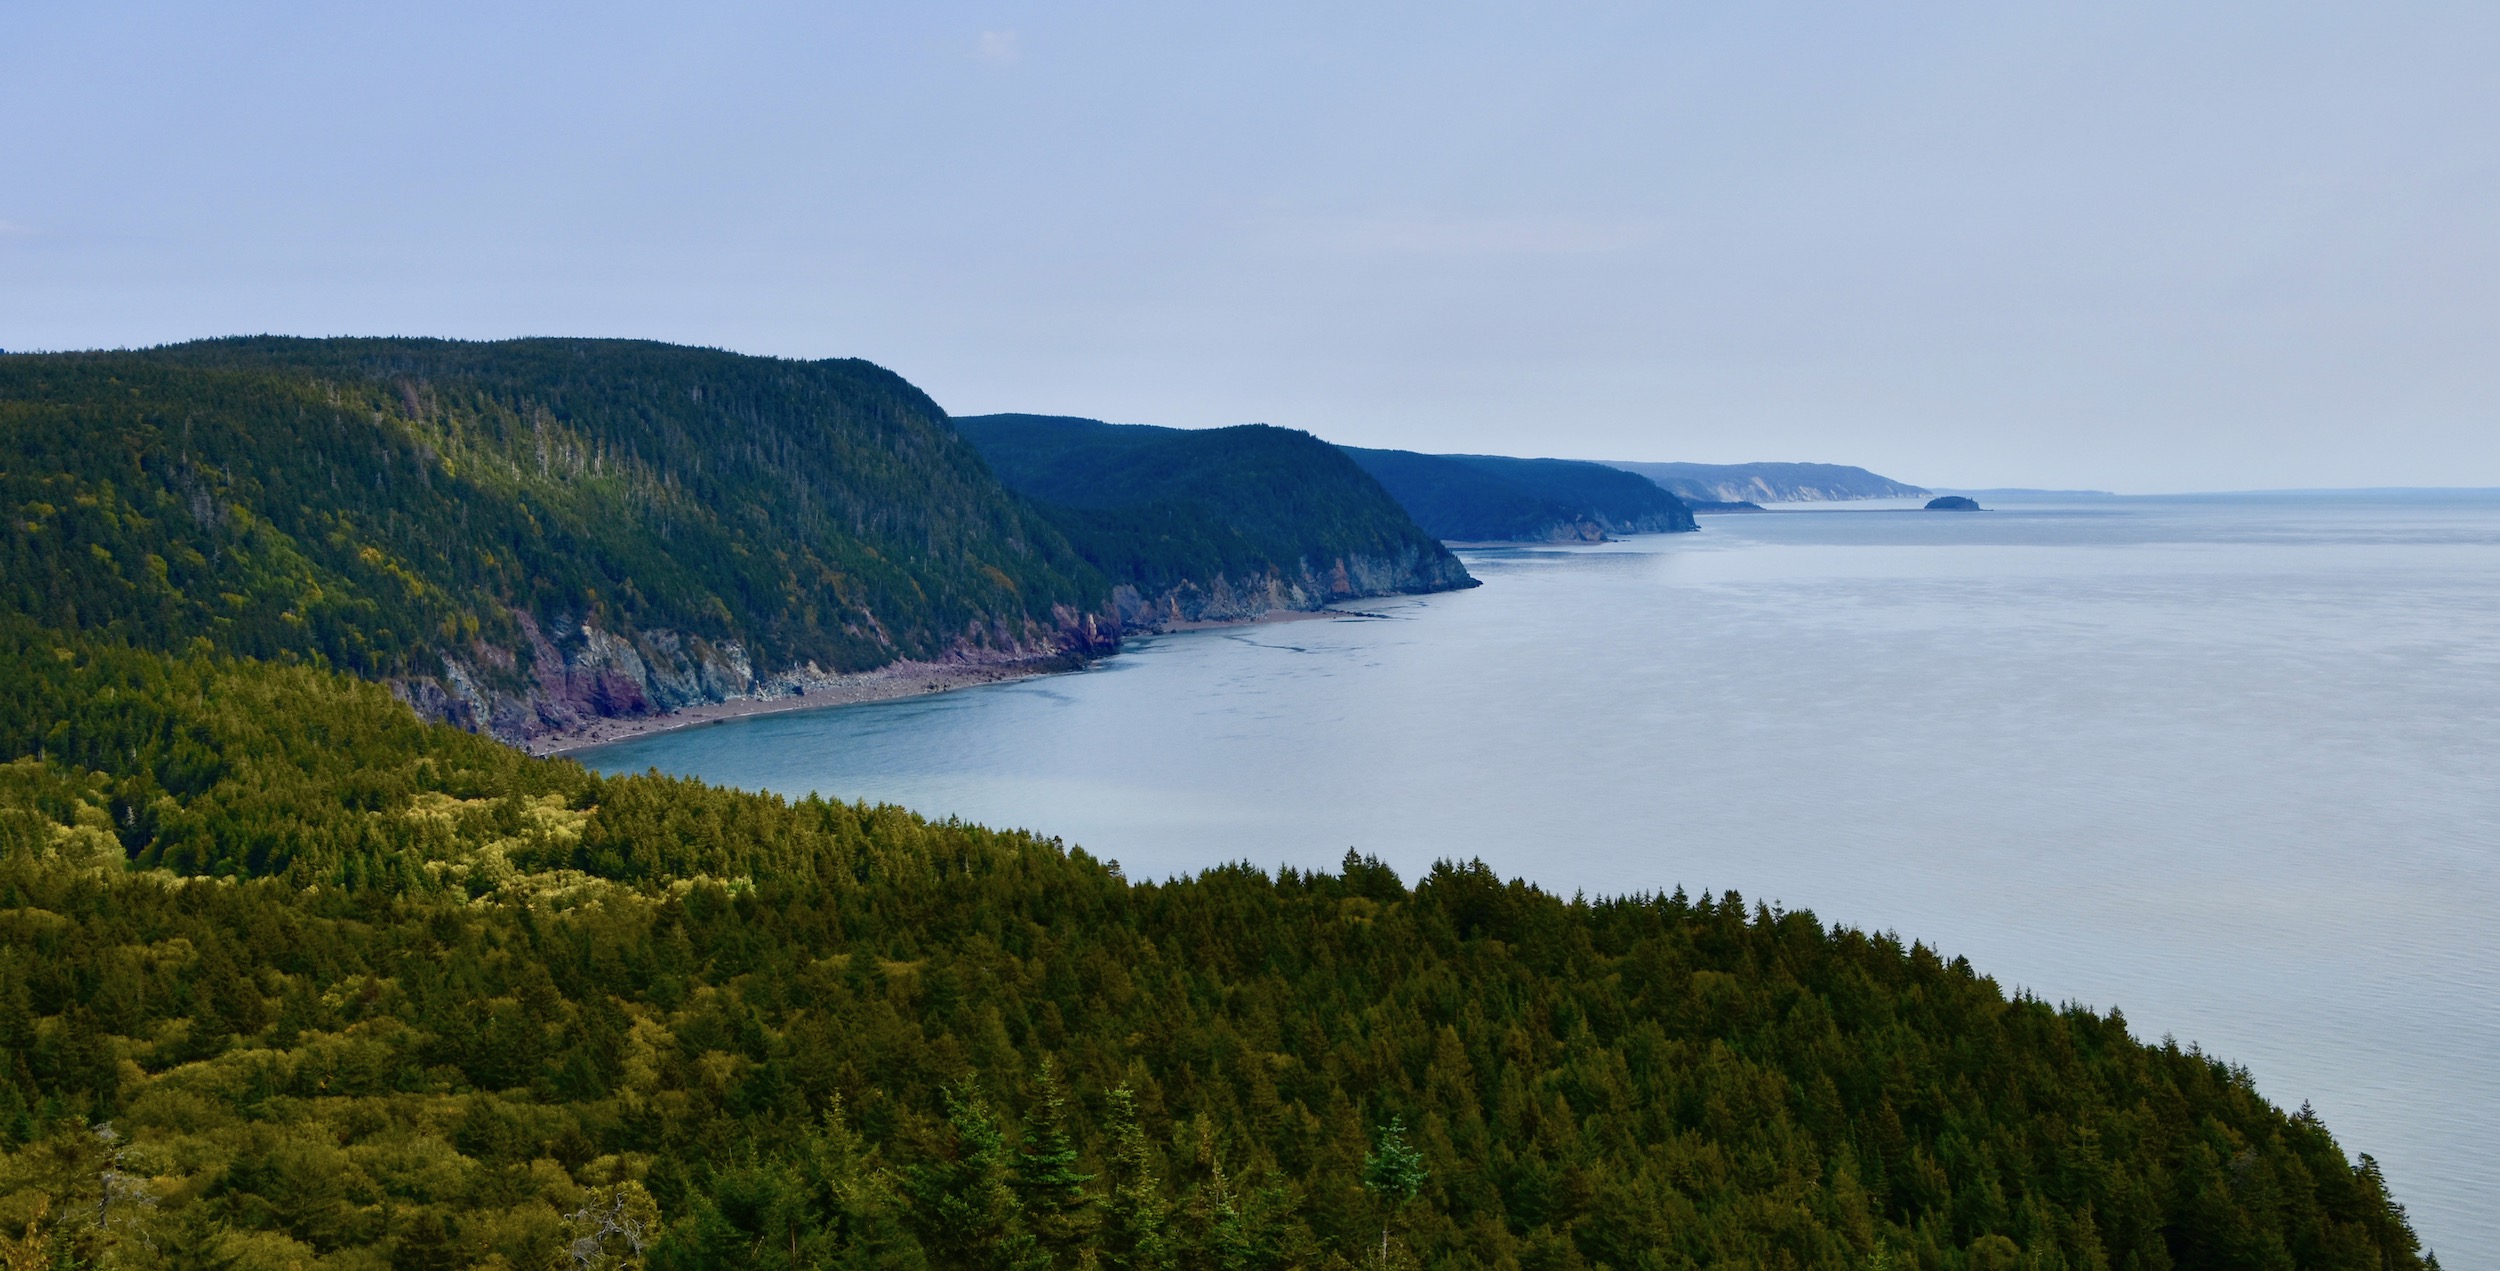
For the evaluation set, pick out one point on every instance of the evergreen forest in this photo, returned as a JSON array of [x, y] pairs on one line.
[[378, 505], [1493, 498], [1157, 508]]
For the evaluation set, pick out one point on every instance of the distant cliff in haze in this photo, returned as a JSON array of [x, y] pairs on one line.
[[1493, 498], [1771, 482]]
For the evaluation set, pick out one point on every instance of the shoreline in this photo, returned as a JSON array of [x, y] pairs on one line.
[[891, 682]]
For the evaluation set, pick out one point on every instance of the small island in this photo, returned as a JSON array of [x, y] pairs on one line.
[[1954, 503]]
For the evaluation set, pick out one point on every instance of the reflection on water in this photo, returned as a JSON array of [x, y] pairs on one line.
[[2228, 764]]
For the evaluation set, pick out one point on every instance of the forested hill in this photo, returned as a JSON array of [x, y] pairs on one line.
[[1771, 482], [292, 979], [526, 532], [1481, 498], [1214, 523]]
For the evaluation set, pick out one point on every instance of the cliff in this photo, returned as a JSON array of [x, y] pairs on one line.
[[1218, 524], [1493, 498], [522, 535], [1771, 482]]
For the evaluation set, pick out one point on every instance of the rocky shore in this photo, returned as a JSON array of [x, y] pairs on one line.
[[885, 683]]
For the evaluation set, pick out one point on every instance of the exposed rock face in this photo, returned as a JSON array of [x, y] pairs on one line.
[[565, 678], [587, 673], [1314, 585], [569, 676]]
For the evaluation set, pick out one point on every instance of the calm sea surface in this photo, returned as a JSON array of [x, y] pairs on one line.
[[2231, 765]]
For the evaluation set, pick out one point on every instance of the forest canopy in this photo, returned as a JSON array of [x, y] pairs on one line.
[[1157, 507]]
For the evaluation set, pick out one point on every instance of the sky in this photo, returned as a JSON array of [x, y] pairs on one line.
[[2136, 247]]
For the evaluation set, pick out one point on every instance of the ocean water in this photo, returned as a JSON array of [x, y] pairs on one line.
[[2229, 764]]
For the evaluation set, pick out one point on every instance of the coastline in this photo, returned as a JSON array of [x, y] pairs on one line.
[[891, 682]]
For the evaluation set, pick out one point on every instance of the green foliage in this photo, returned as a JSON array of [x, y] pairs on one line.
[[1396, 1171], [351, 991], [963, 1206], [1058, 1207], [374, 504], [1159, 507], [1135, 1234]]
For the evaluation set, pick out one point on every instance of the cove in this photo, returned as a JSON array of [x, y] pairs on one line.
[[2226, 764]]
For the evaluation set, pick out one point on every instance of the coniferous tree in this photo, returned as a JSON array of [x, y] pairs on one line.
[[849, 1202], [1058, 1210], [1393, 1172], [963, 1206], [1135, 1232]]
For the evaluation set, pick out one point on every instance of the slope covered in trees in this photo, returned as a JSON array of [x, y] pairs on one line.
[[1214, 523], [1493, 498], [293, 979], [524, 531]]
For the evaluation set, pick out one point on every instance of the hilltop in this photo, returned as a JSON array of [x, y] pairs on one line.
[[1218, 523]]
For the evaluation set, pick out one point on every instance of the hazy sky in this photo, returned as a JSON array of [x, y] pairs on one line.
[[2141, 247]]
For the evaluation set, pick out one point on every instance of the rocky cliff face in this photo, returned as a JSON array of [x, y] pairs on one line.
[[1314, 585], [566, 678], [1599, 529]]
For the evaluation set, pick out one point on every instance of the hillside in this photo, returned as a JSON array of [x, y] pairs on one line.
[[1771, 482], [1218, 523], [293, 979], [1487, 498], [522, 534]]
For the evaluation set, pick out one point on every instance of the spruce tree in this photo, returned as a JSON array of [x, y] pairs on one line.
[[1135, 1220], [962, 1207], [1394, 1173], [1058, 1210]]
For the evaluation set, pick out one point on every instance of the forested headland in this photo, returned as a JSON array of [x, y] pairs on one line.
[[1215, 523], [526, 532], [1494, 498], [293, 978]]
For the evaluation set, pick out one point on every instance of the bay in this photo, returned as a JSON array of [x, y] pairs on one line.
[[2229, 764]]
